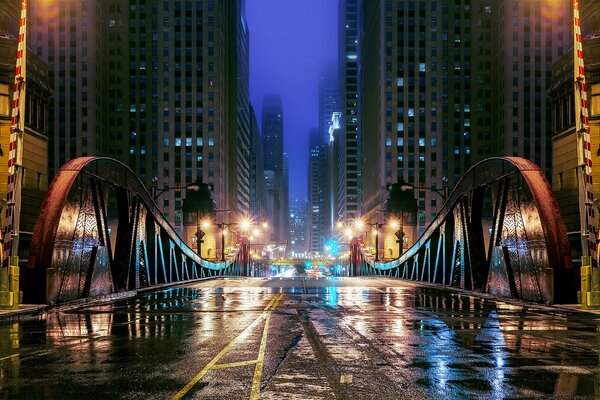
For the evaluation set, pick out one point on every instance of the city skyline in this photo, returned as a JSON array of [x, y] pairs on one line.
[[185, 98], [287, 58]]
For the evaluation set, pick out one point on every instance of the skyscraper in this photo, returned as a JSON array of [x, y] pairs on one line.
[[71, 36], [162, 86], [184, 99], [438, 94], [316, 192], [348, 193], [419, 97], [298, 226], [328, 102], [258, 190], [272, 134], [529, 36]]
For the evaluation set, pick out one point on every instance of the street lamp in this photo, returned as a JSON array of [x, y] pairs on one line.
[[399, 232], [245, 226], [359, 224], [200, 232]]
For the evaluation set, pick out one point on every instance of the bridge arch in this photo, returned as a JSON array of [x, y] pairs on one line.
[[99, 232], [499, 232]]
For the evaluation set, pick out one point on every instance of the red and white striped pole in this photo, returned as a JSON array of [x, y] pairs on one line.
[[584, 159], [15, 162]]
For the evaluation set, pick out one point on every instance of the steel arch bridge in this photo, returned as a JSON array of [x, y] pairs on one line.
[[500, 232], [99, 232]]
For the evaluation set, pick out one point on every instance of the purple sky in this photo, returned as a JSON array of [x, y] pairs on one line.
[[291, 43]]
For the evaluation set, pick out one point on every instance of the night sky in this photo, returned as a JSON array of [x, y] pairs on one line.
[[291, 43]]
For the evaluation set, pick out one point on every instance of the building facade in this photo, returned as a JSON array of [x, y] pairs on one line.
[[35, 138], [316, 192], [71, 37], [272, 136], [529, 37], [161, 86], [258, 190], [564, 139], [298, 225], [348, 195], [438, 95]]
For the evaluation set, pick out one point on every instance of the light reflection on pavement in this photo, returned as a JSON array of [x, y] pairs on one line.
[[345, 338]]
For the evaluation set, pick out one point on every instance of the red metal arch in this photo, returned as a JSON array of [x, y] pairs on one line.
[[464, 261], [147, 250]]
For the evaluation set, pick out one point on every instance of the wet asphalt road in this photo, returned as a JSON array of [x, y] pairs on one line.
[[302, 338]]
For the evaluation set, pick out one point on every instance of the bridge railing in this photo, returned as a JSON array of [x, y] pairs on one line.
[[499, 232], [100, 232]]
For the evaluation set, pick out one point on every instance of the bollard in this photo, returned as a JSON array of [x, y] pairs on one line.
[[5, 295], [586, 281], [594, 294], [13, 282]]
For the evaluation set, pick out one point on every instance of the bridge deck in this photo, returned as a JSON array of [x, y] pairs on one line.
[[301, 338]]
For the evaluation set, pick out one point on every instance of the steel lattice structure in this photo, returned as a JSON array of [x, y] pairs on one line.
[[99, 232], [500, 232]]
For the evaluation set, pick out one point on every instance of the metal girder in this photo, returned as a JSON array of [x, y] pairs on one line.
[[100, 232], [500, 232]]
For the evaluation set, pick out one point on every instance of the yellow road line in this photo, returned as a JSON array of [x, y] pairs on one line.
[[235, 364], [214, 361], [255, 393]]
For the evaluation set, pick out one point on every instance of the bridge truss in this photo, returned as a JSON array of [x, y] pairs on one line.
[[99, 232], [500, 232]]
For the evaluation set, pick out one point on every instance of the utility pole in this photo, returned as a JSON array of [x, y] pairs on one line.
[[590, 292], [10, 296]]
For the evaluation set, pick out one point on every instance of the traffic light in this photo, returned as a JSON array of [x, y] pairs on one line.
[[400, 236], [199, 235]]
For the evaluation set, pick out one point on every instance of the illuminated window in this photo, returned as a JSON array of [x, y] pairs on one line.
[[595, 97], [4, 100]]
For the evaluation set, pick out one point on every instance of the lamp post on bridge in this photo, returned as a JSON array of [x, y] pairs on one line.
[[360, 224], [245, 225]]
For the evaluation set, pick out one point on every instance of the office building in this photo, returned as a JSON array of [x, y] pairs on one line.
[[161, 86], [528, 37], [258, 189], [316, 218], [348, 168], [71, 37], [272, 136], [298, 224], [564, 140], [438, 94], [35, 138], [184, 99]]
